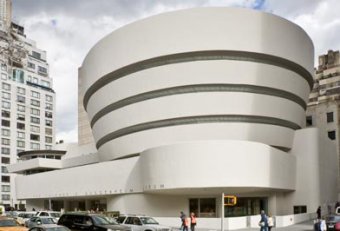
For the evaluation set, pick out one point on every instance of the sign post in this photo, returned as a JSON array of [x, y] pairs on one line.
[[222, 212], [227, 200]]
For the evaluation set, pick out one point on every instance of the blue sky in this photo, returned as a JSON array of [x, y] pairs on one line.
[[67, 29]]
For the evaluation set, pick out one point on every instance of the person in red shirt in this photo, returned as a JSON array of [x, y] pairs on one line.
[[193, 221]]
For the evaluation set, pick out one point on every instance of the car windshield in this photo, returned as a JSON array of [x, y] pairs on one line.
[[333, 218], [27, 215], [148, 221], [101, 220], [111, 220], [120, 219], [8, 223], [48, 221], [55, 214]]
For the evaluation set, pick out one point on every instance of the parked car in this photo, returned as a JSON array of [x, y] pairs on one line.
[[333, 222], [49, 227], [88, 221], [53, 214], [142, 223], [24, 216], [7, 223], [36, 221]]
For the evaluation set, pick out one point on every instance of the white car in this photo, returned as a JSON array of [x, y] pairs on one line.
[[141, 223], [53, 214], [24, 216]]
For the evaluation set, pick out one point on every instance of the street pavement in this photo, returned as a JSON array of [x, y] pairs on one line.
[[306, 226]]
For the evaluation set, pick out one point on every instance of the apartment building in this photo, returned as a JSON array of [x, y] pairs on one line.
[[324, 99], [27, 101]]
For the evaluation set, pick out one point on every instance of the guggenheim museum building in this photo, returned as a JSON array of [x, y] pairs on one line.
[[187, 105]]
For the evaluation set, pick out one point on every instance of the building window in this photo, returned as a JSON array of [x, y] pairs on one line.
[[5, 123], [3, 66], [48, 114], [21, 99], [21, 135], [35, 94], [48, 147], [48, 123], [35, 137], [331, 135], [330, 117], [48, 139], [6, 95], [35, 102], [42, 70], [35, 146], [35, 111], [49, 98], [21, 91], [35, 120], [6, 86], [49, 106], [35, 80], [36, 55], [5, 197], [300, 209], [21, 117], [30, 65], [5, 141], [35, 129], [309, 121], [45, 83], [203, 207], [5, 132], [4, 169], [5, 179], [5, 114], [18, 76], [5, 188], [20, 143], [48, 131], [3, 76], [6, 105], [21, 126], [21, 108], [5, 151], [5, 160]]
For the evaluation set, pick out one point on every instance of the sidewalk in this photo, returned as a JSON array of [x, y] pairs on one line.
[[305, 226]]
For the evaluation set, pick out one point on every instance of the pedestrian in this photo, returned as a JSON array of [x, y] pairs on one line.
[[193, 221], [323, 226], [185, 222], [318, 213], [270, 222], [263, 222]]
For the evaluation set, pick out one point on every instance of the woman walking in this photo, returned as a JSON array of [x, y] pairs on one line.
[[192, 221]]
